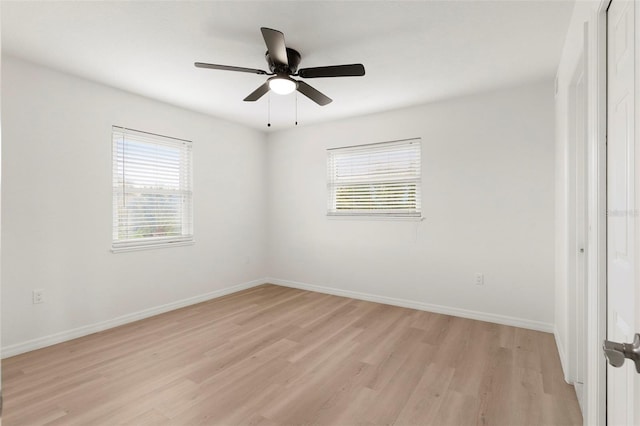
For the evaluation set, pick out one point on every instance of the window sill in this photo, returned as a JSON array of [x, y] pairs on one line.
[[377, 218], [151, 246]]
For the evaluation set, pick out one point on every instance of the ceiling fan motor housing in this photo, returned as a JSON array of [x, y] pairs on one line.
[[293, 57]]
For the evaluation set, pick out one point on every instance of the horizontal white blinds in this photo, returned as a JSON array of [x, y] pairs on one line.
[[380, 179], [152, 189]]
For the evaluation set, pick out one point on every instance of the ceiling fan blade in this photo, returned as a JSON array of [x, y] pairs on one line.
[[275, 45], [313, 94], [258, 93], [351, 70], [230, 68]]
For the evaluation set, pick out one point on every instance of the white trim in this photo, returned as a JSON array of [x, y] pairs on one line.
[[64, 336], [575, 289], [562, 355], [372, 217], [75, 333], [440, 309], [125, 249], [596, 383]]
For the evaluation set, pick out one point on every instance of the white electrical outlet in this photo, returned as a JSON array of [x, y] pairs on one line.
[[479, 278], [37, 296]]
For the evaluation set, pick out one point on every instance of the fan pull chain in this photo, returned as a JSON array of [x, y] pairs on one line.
[[296, 108], [269, 109]]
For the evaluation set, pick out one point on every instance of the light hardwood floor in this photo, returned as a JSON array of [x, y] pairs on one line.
[[279, 356]]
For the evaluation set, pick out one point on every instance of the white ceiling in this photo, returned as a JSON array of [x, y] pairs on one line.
[[414, 52]]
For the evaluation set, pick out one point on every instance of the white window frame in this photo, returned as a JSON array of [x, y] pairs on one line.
[[169, 176], [389, 166]]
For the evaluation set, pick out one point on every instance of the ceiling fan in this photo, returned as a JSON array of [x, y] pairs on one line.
[[283, 64]]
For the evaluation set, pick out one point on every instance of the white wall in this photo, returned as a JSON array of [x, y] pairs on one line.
[[488, 201], [56, 198], [488, 164]]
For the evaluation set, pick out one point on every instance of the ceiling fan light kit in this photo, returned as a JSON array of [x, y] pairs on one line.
[[283, 64], [282, 85]]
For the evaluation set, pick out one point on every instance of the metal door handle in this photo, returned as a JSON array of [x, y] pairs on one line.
[[616, 353]]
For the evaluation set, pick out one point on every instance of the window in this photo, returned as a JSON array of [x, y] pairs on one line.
[[381, 179], [152, 194]]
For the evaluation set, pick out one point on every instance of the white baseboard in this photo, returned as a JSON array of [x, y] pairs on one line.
[[64, 336], [563, 357], [440, 309]]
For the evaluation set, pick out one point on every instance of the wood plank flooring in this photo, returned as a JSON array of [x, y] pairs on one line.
[[278, 356]]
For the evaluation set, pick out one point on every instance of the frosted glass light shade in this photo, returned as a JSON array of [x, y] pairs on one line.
[[282, 86]]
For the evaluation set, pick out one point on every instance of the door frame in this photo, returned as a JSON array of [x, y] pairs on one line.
[[596, 384], [576, 230]]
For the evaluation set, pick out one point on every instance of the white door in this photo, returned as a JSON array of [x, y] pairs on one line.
[[623, 390]]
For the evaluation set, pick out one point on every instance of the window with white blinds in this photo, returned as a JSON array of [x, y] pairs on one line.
[[381, 179], [152, 190]]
